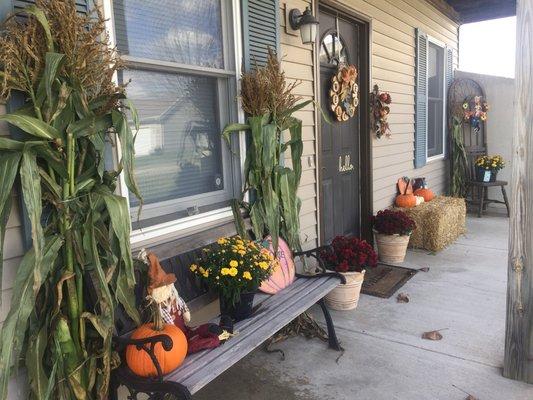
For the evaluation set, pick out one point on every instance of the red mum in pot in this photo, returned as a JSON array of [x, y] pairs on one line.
[[349, 254]]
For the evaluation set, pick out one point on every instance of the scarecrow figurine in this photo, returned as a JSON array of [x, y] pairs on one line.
[[174, 310]]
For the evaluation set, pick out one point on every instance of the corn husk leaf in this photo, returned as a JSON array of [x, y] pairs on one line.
[[232, 128], [290, 207], [125, 136], [22, 305], [239, 221], [71, 359], [269, 150], [90, 125], [9, 163], [53, 62], [272, 212], [257, 216], [41, 17], [31, 193], [297, 148], [34, 361], [32, 126]]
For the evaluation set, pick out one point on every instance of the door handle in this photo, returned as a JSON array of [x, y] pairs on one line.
[[347, 165]]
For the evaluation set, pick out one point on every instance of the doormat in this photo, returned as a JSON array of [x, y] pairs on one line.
[[384, 280]]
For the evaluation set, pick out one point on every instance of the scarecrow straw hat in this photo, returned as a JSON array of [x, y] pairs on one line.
[[157, 276]]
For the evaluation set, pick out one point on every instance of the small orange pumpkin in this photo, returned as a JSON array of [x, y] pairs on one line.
[[405, 200], [427, 194], [139, 361]]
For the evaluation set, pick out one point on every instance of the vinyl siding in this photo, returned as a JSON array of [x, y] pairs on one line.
[[297, 63], [393, 62], [393, 69]]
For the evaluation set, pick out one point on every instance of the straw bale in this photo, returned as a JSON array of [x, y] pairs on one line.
[[439, 222]]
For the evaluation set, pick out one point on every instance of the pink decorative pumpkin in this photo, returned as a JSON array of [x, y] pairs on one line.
[[284, 272]]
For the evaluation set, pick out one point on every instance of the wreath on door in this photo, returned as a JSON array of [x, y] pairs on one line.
[[344, 92]]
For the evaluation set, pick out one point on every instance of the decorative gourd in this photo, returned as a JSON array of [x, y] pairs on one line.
[[419, 200], [284, 272], [139, 361], [427, 194], [405, 200]]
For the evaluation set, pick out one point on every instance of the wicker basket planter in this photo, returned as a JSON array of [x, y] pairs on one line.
[[391, 248], [346, 296]]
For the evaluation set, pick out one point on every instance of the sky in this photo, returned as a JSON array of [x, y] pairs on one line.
[[488, 47]]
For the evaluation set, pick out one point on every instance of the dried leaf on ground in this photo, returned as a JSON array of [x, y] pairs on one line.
[[402, 298], [470, 397], [424, 269], [432, 335]]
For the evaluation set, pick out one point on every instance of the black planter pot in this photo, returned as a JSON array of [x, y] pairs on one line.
[[241, 310], [480, 175]]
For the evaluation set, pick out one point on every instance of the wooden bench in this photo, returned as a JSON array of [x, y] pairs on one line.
[[272, 313]]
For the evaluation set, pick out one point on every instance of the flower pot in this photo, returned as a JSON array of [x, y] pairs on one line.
[[346, 296], [480, 175], [240, 310], [392, 248]]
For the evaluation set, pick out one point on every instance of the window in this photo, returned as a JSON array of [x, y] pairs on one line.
[[436, 100], [434, 74], [181, 69], [332, 50]]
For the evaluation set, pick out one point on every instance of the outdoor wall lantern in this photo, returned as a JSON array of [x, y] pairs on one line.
[[305, 22]]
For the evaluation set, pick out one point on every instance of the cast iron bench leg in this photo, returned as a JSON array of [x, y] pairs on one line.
[[333, 341]]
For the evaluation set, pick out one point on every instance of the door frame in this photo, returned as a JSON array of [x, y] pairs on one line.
[[365, 145]]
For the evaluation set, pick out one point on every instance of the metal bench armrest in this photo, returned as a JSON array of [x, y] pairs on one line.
[[148, 345], [315, 253]]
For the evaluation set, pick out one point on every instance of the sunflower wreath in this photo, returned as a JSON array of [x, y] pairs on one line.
[[344, 92], [475, 111]]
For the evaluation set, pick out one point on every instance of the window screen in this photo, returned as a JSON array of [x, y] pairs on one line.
[[182, 82], [435, 139]]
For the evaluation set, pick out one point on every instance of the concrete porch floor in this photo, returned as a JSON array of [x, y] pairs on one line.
[[463, 293]]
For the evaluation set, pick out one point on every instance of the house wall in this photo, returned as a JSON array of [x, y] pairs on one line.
[[393, 61], [297, 63], [393, 58], [393, 69], [500, 125]]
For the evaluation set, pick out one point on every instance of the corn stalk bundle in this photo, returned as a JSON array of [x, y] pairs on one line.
[[274, 206], [61, 62], [459, 160]]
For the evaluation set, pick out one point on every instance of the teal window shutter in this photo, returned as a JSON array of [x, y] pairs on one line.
[[449, 66], [19, 5], [421, 99], [260, 30], [449, 75]]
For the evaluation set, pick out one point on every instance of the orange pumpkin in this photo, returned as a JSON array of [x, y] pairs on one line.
[[139, 361], [405, 200], [427, 194]]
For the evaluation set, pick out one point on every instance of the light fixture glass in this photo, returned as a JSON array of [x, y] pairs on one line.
[[306, 22], [308, 33]]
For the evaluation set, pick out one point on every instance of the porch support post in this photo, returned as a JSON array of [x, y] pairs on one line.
[[518, 362]]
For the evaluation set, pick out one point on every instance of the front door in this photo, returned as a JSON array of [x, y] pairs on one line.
[[340, 142]]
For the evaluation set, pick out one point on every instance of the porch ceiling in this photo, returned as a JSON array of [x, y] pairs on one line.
[[481, 10]]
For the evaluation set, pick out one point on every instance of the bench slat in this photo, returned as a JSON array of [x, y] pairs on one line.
[[275, 312], [196, 361]]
